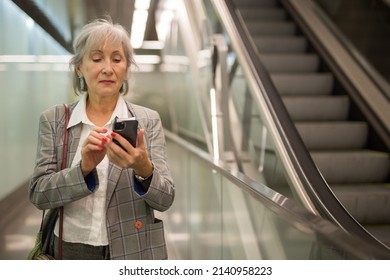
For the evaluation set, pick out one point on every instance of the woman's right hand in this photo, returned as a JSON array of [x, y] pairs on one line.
[[93, 150]]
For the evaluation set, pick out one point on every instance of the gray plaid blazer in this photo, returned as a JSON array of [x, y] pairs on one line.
[[133, 231]]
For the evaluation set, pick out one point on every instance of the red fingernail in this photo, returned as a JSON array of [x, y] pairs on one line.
[[113, 134], [100, 147], [105, 130], [105, 139]]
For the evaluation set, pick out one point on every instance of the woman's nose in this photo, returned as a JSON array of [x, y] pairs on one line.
[[107, 68]]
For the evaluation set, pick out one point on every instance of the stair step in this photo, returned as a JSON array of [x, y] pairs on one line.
[[351, 167], [271, 28], [254, 13], [280, 44], [369, 204], [287, 63], [333, 135], [303, 84], [317, 108]]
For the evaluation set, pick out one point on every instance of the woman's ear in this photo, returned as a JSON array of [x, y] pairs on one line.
[[78, 71]]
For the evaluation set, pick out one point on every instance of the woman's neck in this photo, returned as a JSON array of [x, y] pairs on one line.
[[99, 110]]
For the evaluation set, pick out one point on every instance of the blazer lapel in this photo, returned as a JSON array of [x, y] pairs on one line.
[[74, 139]]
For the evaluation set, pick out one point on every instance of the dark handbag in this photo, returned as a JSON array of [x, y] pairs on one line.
[[42, 248]]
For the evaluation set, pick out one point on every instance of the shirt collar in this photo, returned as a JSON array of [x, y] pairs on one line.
[[79, 114]]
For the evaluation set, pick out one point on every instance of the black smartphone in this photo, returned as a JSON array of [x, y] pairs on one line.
[[127, 128]]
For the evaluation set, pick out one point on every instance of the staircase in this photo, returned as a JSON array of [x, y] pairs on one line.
[[321, 110]]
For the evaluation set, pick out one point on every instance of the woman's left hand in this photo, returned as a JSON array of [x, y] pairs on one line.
[[134, 157]]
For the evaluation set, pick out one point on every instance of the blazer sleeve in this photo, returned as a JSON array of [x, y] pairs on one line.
[[50, 187], [161, 192]]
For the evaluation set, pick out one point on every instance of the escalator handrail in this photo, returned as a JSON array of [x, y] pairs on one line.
[[283, 206], [315, 186]]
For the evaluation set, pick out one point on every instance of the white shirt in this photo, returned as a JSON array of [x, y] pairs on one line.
[[85, 219]]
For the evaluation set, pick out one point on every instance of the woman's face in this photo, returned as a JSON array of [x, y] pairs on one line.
[[104, 70]]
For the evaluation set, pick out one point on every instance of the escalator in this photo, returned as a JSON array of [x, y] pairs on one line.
[[331, 125]]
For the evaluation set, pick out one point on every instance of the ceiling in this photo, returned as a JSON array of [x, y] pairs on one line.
[[80, 12]]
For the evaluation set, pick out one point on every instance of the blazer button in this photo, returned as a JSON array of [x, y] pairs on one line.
[[138, 224]]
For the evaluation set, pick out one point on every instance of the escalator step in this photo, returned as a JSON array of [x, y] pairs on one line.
[[303, 84], [333, 135], [280, 44], [287, 63], [317, 108], [351, 167], [369, 204], [254, 13], [273, 28]]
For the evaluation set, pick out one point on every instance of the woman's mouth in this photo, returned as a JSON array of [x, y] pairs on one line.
[[106, 82]]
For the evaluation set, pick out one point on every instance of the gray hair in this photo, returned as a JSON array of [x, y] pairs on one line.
[[94, 34]]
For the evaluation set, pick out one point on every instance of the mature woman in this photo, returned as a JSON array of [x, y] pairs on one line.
[[108, 193]]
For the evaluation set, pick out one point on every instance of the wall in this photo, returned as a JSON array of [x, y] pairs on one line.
[[34, 75]]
